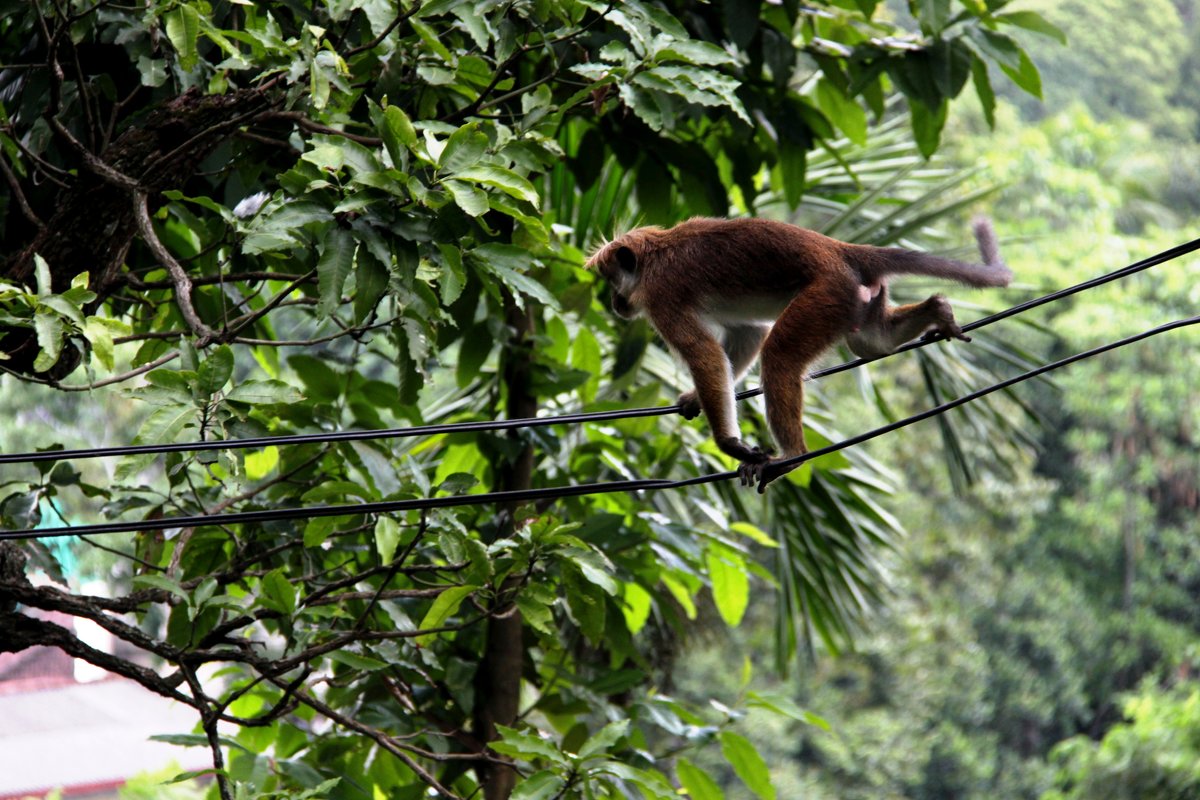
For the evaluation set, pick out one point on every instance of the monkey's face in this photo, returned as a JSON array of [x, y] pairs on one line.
[[621, 270], [621, 305]]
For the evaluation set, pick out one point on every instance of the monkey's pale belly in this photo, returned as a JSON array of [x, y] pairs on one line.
[[745, 310]]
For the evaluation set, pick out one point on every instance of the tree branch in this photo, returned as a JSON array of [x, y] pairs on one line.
[[307, 124], [15, 186], [183, 284]]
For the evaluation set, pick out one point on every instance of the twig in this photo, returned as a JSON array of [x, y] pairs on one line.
[[208, 280], [391, 27], [315, 127], [247, 319], [354, 331], [183, 284], [124, 376], [380, 738], [15, 185]]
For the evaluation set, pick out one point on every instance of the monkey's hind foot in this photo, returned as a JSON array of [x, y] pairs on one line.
[[951, 331], [763, 472]]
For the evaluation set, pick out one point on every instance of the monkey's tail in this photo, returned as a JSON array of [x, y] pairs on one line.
[[875, 263]]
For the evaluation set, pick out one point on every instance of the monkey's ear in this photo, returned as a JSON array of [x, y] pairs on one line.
[[626, 260]]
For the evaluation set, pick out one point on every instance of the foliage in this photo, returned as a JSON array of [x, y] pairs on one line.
[[1139, 71], [1153, 756], [301, 217], [1021, 614]]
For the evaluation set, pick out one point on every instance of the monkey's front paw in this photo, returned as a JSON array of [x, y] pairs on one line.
[[743, 452], [689, 405], [763, 473]]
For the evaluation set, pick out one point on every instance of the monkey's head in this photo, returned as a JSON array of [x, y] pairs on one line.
[[620, 262]]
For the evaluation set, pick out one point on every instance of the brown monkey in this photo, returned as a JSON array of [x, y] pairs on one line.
[[719, 291]]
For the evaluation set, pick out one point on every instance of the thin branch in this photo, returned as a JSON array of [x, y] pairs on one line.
[[278, 299], [15, 185], [183, 284], [383, 594], [139, 337], [307, 124], [371, 45], [208, 280], [94, 163], [124, 376], [380, 738], [354, 331]]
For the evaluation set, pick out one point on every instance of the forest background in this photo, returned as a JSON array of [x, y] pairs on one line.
[[1003, 604]]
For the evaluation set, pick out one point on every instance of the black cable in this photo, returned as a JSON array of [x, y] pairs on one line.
[[562, 419], [557, 492]]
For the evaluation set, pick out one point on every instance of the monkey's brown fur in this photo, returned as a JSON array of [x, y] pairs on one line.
[[719, 291]]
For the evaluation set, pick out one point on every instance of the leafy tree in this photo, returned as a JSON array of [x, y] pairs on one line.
[[1153, 756], [299, 217], [1135, 70]]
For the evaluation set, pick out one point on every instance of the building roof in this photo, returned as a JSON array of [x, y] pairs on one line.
[[84, 736]]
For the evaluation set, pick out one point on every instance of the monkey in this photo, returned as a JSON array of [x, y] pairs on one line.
[[723, 292]]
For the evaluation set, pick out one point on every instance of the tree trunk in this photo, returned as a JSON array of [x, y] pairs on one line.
[[499, 682]]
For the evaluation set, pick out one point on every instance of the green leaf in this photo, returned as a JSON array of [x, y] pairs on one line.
[[636, 607], [99, 335], [593, 566], [357, 661], [501, 178], [842, 111], [328, 157], [371, 281], [527, 746], [754, 533], [695, 52], [602, 741], [442, 609], [318, 529], [470, 199], [337, 259], [1032, 21], [696, 781], [933, 14], [63, 307], [463, 149], [41, 271], [398, 134], [999, 47], [1026, 75], [544, 785], [264, 392], [165, 424], [49, 329], [927, 125], [278, 592], [161, 582], [183, 29], [748, 764], [784, 707], [387, 537], [983, 88], [215, 370], [730, 583], [503, 261]]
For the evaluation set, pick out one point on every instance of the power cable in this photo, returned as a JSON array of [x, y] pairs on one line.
[[562, 419], [558, 492]]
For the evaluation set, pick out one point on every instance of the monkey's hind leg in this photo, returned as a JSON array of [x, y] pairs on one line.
[[808, 326], [887, 327]]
